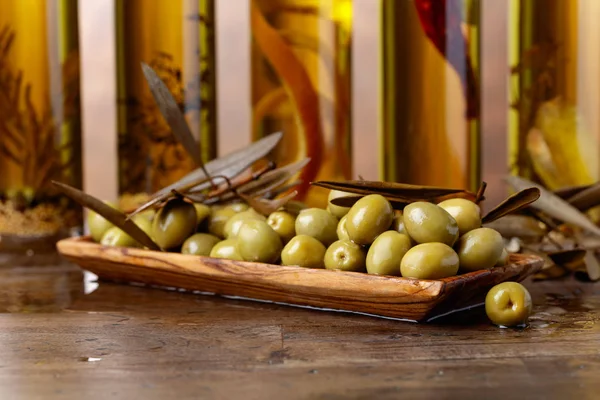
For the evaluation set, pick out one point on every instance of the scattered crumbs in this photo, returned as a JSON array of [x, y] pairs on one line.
[[89, 359]]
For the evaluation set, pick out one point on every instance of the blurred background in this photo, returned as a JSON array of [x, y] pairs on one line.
[[233, 89]]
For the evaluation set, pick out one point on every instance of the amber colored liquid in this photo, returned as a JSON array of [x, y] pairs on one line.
[[430, 115], [176, 38], [301, 85], [555, 91], [40, 129]]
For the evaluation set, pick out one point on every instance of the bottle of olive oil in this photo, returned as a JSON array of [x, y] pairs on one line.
[[430, 92], [176, 38], [40, 125], [301, 85], [554, 91]]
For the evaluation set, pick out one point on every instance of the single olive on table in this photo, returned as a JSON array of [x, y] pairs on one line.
[[508, 304]]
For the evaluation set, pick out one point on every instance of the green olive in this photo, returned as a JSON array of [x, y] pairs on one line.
[[426, 222], [429, 261], [479, 249], [233, 224], [284, 224], [257, 241], [218, 219], [98, 224], [398, 223], [304, 251], [317, 223], [337, 211], [238, 207], [199, 244], [341, 231], [503, 259], [386, 252], [116, 237], [346, 256], [174, 222], [466, 214], [226, 249], [202, 213], [144, 224], [368, 218], [508, 304]]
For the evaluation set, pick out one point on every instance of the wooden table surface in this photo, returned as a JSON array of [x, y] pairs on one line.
[[133, 342]]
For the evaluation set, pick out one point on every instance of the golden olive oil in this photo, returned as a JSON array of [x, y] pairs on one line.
[[176, 38], [554, 91], [430, 118], [301, 85], [40, 120]]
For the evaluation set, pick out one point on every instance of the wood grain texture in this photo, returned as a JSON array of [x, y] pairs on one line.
[[404, 298], [156, 344]]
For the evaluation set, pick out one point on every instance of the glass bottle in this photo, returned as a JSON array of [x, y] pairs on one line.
[[301, 85], [554, 91], [176, 38], [40, 128], [430, 93]]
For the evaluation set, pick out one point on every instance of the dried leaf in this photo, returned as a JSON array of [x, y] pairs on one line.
[[514, 203], [480, 193], [172, 114], [230, 166], [274, 178], [115, 216], [592, 265], [554, 206], [294, 207], [266, 207], [522, 226], [567, 258], [262, 184], [586, 198], [398, 190], [271, 194], [348, 201], [566, 192]]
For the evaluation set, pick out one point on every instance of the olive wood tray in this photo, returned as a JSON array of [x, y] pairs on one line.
[[408, 299]]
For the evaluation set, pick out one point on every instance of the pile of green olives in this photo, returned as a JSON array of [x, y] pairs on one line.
[[424, 241]]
